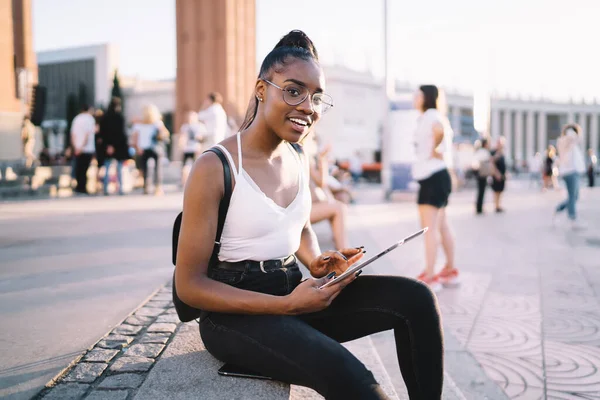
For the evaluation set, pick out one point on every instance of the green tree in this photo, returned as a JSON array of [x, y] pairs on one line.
[[116, 91]]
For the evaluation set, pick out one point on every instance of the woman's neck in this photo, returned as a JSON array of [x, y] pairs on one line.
[[262, 140]]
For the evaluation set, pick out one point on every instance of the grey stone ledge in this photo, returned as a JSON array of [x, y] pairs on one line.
[[100, 355], [131, 364], [159, 303], [162, 327], [150, 350], [71, 391], [122, 381], [171, 318], [139, 320], [160, 338], [85, 372], [125, 329], [113, 341], [108, 395], [149, 312]]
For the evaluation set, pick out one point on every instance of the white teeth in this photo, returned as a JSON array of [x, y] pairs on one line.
[[299, 121]]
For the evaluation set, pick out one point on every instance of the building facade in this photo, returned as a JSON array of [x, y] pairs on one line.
[[85, 72]]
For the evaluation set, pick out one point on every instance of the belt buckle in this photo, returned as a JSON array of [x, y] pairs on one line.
[[261, 264]]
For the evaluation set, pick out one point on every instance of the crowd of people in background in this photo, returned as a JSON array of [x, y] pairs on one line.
[[106, 137]]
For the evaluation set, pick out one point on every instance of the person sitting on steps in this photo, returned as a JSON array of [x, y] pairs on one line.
[[257, 313]]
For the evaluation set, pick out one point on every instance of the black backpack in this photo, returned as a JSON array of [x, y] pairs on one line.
[[184, 312]]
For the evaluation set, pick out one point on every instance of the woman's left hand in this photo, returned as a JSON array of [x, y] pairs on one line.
[[335, 261]]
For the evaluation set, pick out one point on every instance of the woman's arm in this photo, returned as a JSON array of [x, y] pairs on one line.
[[309, 247], [196, 240], [438, 136]]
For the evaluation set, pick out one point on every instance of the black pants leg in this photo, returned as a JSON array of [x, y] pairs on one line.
[[591, 177], [82, 164], [481, 185], [146, 156], [306, 349]]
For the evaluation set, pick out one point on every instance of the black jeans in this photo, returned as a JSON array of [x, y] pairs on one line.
[[158, 171], [306, 349], [481, 185], [82, 163]]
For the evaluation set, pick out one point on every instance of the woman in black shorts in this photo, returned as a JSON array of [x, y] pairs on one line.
[[499, 177], [433, 146]]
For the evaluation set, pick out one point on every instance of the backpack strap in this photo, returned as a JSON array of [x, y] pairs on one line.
[[298, 148], [223, 205]]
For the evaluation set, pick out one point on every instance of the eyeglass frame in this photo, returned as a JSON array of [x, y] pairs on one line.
[[304, 99]]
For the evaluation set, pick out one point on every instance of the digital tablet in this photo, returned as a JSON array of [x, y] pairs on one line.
[[355, 268]]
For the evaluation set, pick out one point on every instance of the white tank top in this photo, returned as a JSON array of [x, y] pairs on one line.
[[256, 228], [424, 165]]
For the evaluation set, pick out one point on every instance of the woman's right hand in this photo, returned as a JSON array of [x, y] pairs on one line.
[[308, 298]]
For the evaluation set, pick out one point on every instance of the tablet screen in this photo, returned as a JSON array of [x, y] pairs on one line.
[[355, 268]]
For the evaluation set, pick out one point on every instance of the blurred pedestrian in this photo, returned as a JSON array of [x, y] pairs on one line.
[[484, 167], [499, 175], [149, 138], [114, 140], [571, 163], [191, 134], [550, 171], [324, 205], [83, 130], [592, 161], [28, 139], [213, 115], [433, 149]]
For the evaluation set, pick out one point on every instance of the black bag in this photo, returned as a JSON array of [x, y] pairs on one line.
[[184, 312]]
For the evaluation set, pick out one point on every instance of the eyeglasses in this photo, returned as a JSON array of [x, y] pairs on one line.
[[294, 94]]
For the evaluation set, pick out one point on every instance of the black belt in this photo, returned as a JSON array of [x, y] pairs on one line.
[[255, 266]]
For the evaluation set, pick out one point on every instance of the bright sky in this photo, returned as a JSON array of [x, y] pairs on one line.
[[529, 47]]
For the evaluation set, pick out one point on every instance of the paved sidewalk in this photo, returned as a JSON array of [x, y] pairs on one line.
[[524, 323], [528, 307]]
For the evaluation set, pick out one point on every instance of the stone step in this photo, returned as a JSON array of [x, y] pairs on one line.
[[186, 370]]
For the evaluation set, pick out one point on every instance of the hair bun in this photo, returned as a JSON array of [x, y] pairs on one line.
[[298, 39]]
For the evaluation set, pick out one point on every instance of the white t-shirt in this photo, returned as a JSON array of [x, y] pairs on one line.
[[215, 119], [425, 165], [146, 134], [570, 155], [191, 135], [84, 126]]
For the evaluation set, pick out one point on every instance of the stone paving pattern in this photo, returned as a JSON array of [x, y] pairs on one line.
[[528, 306], [118, 364]]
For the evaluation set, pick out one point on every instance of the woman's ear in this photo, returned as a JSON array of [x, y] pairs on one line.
[[260, 90]]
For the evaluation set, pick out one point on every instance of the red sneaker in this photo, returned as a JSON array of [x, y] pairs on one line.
[[433, 282], [448, 277]]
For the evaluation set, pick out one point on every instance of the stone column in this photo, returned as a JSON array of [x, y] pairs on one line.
[[594, 132], [216, 46], [507, 132], [530, 135], [542, 131], [8, 95], [495, 123], [22, 39], [582, 121], [456, 126], [519, 137]]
